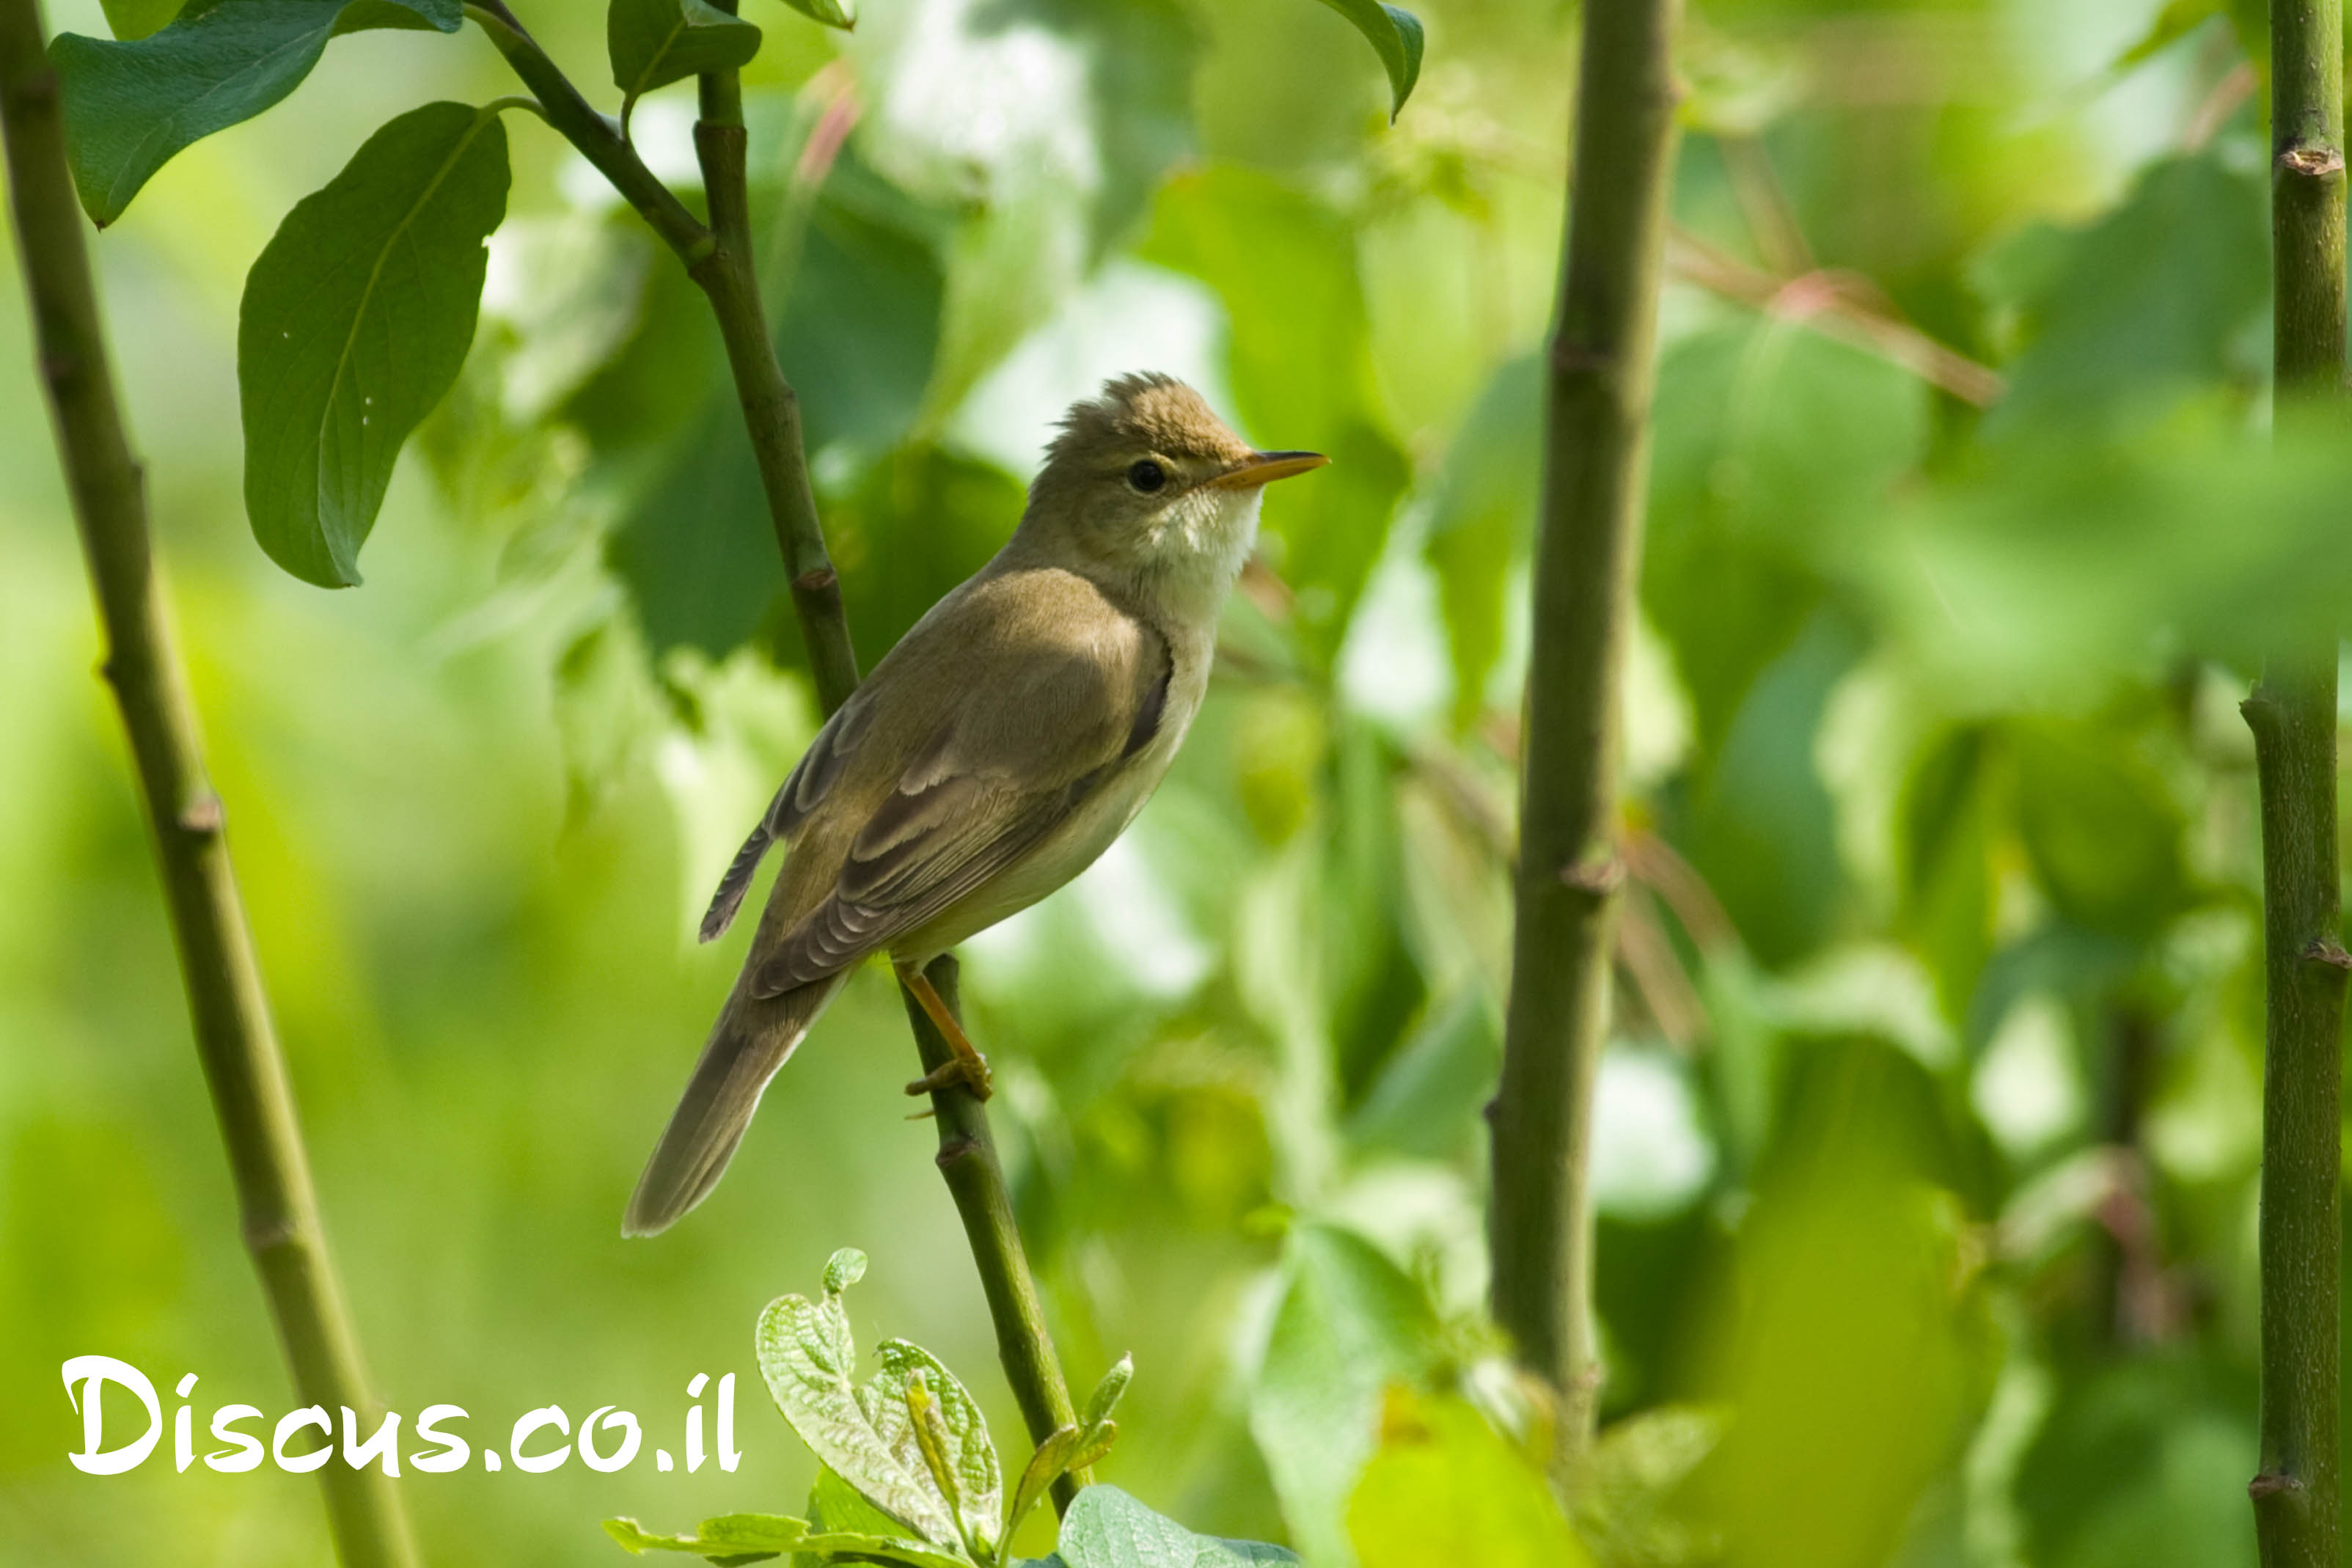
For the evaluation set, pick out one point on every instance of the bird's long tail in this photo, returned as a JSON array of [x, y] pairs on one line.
[[750, 1042]]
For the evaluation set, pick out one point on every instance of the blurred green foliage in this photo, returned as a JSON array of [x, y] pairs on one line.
[[1926, 1143]]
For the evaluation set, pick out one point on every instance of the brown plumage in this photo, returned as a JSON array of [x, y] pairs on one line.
[[992, 754]]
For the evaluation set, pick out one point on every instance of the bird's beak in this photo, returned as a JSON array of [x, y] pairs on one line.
[[1265, 467]]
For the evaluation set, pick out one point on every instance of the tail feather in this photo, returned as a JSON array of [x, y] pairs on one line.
[[751, 1039], [736, 882]]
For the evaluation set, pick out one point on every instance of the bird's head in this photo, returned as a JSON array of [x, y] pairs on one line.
[[1146, 480]]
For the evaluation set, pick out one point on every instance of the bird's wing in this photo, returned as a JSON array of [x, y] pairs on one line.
[[1041, 715], [822, 763]]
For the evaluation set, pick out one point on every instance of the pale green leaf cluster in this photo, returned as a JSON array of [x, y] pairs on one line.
[[907, 1471]]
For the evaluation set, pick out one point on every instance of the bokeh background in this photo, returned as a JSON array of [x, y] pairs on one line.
[[1928, 1131]]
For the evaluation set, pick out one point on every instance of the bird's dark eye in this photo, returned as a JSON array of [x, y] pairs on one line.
[[1147, 476]]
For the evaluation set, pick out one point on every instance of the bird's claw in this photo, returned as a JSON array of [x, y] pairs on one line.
[[970, 1071]]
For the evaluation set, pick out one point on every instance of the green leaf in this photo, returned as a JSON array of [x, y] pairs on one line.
[[755, 1537], [841, 14], [1093, 1445], [2152, 301], [767, 1535], [656, 42], [2127, 1466], [2176, 21], [1108, 1393], [1045, 1467], [356, 319], [2102, 833], [131, 105], [807, 1356], [1350, 1323], [1395, 37], [846, 1268], [131, 19], [836, 1506], [1446, 1488], [1629, 1506], [1107, 1529], [1945, 864]]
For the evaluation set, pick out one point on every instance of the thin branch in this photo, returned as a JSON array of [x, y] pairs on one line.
[[598, 138], [1841, 305], [1597, 404], [244, 1070], [975, 1175], [730, 279], [2293, 713]]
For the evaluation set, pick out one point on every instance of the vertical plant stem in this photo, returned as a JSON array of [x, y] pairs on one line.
[[235, 1040], [721, 261], [968, 1160], [730, 278], [2292, 715], [1587, 550]]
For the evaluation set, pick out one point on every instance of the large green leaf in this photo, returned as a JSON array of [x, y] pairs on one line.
[[356, 319], [131, 105], [1107, 1529], [1350, 1323], [652, 43], [1395, 36]]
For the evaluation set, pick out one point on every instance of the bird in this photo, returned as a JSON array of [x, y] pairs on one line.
[[991, 755]]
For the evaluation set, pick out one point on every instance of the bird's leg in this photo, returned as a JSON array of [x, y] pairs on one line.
[[967, 1066]]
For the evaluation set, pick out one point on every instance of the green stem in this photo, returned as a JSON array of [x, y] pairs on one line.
[[2292, 715], [599, 140], [243, 1067], [975, 1177], [730, 279], [722, 261], [1588, 552]]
